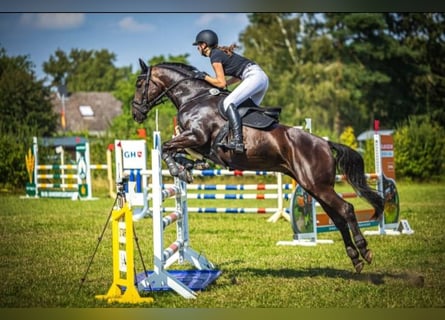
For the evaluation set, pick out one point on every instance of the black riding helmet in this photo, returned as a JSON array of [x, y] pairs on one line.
[[207, 36]]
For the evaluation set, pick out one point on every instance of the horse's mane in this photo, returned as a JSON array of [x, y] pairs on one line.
[[186, 70], [182, 67]]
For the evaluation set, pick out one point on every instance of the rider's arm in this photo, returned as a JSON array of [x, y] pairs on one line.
[[232, 80], [220, 79]]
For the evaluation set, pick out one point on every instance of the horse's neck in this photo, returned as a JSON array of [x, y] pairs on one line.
[[181, 91], [185, 92]]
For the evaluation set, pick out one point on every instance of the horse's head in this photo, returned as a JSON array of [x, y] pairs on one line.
[[142, 102], [154, 84]]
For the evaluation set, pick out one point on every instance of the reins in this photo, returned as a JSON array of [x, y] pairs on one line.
[[161, 98], [207, 93]]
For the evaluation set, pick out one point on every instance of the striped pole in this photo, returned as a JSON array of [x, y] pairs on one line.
[[179, 250]]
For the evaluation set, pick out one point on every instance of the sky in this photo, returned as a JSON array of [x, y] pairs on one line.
[[129, 36]]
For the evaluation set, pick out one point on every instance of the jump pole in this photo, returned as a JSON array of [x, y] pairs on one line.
[[178, 251], [109, 166], [281, 212]]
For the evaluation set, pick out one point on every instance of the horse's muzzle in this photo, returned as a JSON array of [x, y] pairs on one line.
[[139, 112], [138, 116]]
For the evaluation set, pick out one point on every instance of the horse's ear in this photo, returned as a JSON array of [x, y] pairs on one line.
[[144, 67]]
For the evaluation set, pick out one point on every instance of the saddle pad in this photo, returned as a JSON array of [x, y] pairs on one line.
[[257, 120], [252, 115]]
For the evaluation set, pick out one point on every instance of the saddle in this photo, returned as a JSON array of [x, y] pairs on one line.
[[251, 116], [254, 116]]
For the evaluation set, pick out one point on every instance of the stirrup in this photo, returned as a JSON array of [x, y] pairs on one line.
[[238, 147]]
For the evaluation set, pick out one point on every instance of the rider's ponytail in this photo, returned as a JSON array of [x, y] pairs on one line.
[[228, 49]]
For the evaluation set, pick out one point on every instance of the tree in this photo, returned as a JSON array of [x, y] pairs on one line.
[[271, 41], [25, 101], [360, 43], [85, 70], [347, 69], [401, 55], [307, 77], [26, 112], [423, 35]]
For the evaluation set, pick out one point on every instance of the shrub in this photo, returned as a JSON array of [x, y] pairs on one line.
[[419, 146], [13, 147], [348, 137]]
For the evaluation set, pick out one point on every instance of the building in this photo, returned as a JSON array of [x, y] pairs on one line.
[[369, 134], [86, 111]]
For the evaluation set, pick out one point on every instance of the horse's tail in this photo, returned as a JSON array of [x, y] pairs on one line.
[[351, 164]]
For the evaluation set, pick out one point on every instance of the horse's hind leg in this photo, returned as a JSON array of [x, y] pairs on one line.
[[349, 216], [343, 216], [359, 239]]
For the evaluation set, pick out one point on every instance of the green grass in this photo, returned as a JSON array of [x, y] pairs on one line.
[[46, 245]]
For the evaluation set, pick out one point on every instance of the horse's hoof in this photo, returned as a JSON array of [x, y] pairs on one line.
[[185, 176], [359, 266], [201, 165], [368, 256], [189, 177], [173, 169]]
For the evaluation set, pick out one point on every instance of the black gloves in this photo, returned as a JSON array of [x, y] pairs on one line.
[[200, 75]]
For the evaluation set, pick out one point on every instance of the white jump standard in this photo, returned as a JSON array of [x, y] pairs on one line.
[[179, 250]]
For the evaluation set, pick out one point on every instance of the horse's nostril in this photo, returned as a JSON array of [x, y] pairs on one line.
[[138, 116]]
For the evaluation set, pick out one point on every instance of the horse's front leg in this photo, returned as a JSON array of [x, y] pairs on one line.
[[180, 170], [186, 139], [171, 163]]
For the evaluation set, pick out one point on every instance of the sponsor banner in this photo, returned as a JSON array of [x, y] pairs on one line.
[[134, 154], [387, 156]]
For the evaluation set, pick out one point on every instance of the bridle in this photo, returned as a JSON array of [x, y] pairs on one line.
[[144, 106]]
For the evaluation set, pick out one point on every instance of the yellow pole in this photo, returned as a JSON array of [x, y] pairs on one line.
[[123, 260], [110, 175]]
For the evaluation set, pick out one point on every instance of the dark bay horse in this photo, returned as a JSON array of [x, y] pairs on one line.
[[310, 160]]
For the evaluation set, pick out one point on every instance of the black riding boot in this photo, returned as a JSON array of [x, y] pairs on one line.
[[236, 126]]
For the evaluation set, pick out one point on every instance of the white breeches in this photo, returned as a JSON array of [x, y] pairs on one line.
[[254, 84]]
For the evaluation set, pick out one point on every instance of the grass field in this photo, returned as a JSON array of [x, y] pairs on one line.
[[46, 245]]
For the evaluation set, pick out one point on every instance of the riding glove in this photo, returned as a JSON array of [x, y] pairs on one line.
[[200, 75]]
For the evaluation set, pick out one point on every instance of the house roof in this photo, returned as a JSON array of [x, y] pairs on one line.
[[87, 111], [370, 133]]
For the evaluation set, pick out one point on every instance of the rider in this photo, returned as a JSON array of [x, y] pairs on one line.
[[254, 81]]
